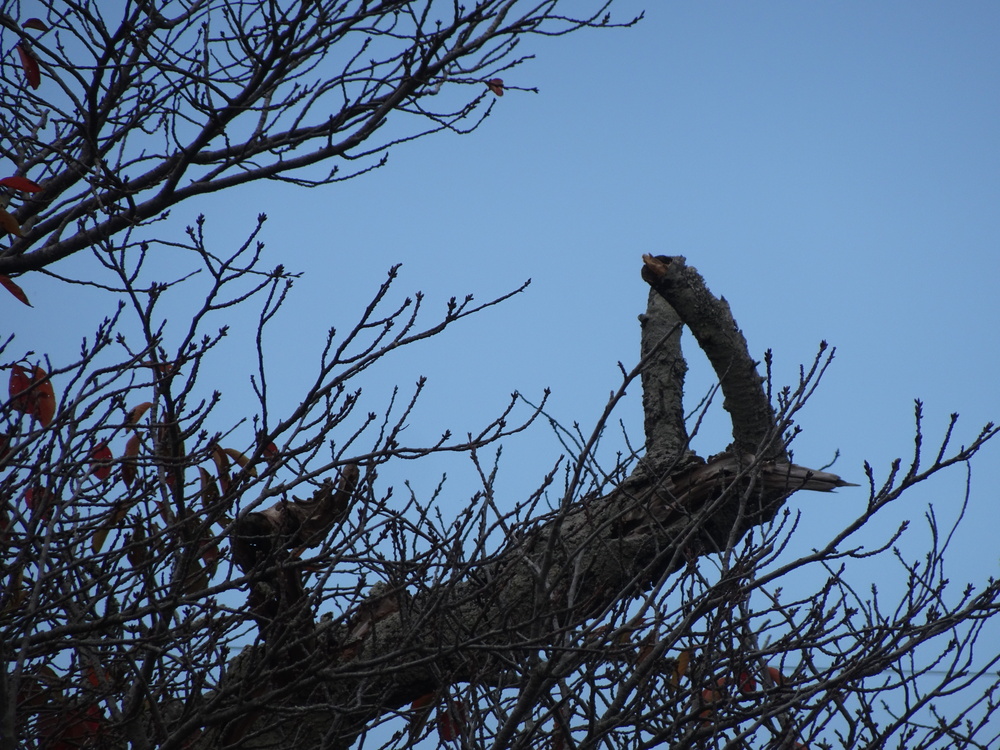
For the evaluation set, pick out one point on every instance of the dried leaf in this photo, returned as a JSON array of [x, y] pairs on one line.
[[20, 183], [100, 461], [680, 669], [9, 224], [30, 66], [746, 683], [451, 721], [39, 501], [421, 709], [496, 86], [128, 460], [117, 516], [136, 546], [32, 395], [776, 676], [242, 460], [196, 580], [14, 289], [209, 489], [269, 451], [221, 459], [13, 593], [137, 412], [35, 23], [210, 555], [646, 648]]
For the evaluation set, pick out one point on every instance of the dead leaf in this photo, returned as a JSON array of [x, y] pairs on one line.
[[451, 721], [20, 183], [32, 395], [496, 86], [242, 460], [683, 660], [136, 413], [14, 289], [100, 461], [128, 460], [9, 224], [30, 66]]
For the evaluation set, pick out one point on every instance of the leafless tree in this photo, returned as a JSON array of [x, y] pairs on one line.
[[119, 111], [164, 587], [175, 581]]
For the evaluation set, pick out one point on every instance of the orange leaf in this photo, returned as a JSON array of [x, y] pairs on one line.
[[776, 677], [451, 721], [683, 660], [9, 224], [222, 464], [35, 23], [33, 396], [117, 516], [100, 461], [30, 66], [20, 183], [136, 413], [496, 86], [242, 460], [14, 289]]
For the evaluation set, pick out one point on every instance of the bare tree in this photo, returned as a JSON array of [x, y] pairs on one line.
[[117, 112], [165, 587], [174, 582]]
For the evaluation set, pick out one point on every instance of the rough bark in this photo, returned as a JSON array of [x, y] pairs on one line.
[[710, 320], [554, 574]]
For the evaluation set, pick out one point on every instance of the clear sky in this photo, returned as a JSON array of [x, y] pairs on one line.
[[833, 170]]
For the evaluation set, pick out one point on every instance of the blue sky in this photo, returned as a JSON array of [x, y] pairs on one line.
[[832, 169]]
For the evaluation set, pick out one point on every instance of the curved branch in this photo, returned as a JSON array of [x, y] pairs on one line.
[[755, 428]]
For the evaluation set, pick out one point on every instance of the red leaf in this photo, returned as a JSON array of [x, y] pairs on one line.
[[33, 396], [269, 452], [451, 721], [14, 289], [71, 728], [35, 23], [746, 683], [40, 501], [496, 86], [20, 183], [30, 66], [100, 461]]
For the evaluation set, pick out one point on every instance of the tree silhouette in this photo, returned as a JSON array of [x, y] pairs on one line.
[[165, 587], [173, 580], [124, 116]]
